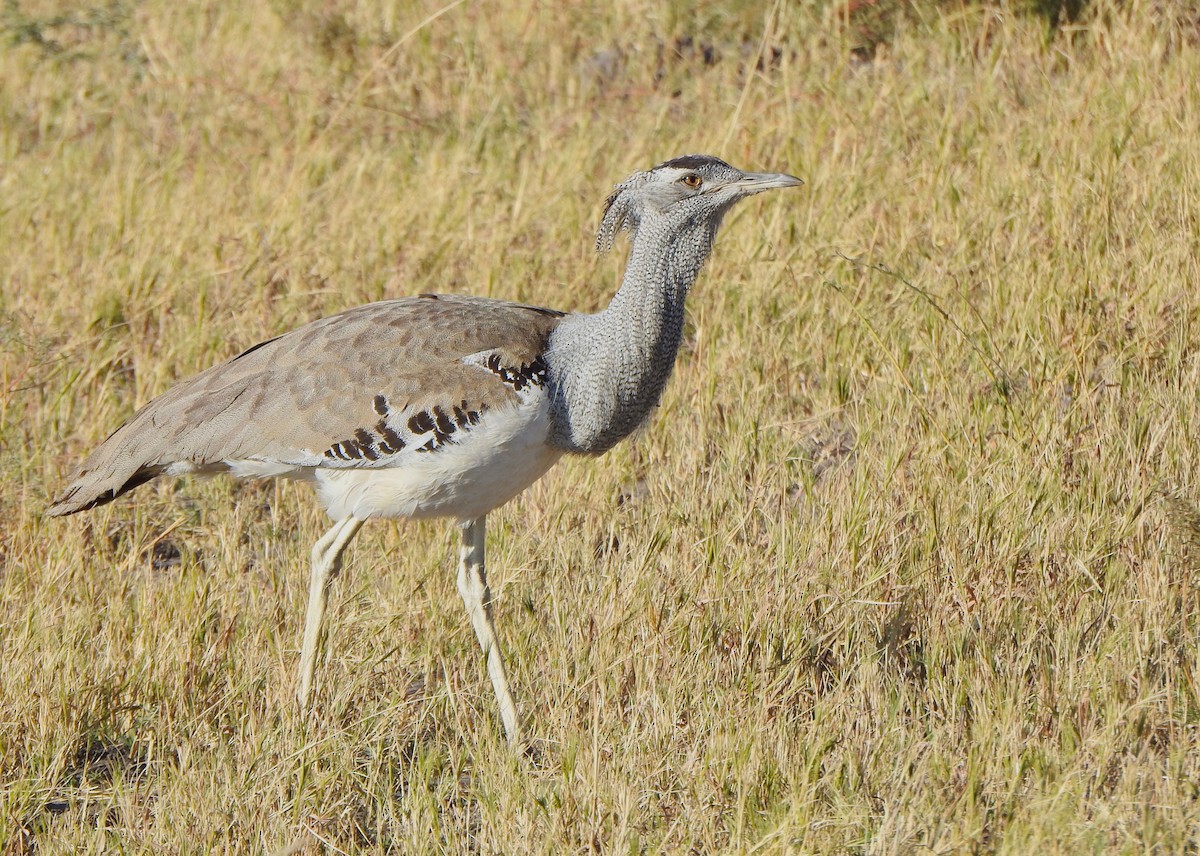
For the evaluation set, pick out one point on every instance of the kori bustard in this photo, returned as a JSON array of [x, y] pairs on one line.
[[439, 405]]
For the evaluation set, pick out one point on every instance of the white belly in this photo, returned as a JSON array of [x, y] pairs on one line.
[[483, 469]]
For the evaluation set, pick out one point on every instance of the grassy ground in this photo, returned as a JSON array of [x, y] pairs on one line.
[[906, 562]]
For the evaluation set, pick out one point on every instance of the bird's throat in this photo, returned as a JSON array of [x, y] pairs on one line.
[[609, 369]]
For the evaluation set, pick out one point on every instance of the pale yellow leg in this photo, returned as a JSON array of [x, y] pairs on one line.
[[472, 585], [326, 562]]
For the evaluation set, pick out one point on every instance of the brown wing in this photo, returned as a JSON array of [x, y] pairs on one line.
[[349, 390]]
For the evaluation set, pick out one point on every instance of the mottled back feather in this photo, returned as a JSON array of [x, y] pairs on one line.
[[343, 391]]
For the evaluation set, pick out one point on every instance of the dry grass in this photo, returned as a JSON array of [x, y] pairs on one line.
[[907, 561]]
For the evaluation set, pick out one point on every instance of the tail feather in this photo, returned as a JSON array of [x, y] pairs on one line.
[[90, 489], [131, 456], [174, 432]]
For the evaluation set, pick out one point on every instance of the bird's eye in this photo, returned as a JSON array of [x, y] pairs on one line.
[[691, 180]]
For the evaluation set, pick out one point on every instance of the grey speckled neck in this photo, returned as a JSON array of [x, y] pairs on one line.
[[608, 370]]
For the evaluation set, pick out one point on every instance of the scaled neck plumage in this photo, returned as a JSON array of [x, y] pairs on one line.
[[608, 370]]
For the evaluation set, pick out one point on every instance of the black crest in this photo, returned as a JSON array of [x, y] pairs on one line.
[[694, 162]]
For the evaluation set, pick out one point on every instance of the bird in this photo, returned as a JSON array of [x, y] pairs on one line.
[[439, 405]]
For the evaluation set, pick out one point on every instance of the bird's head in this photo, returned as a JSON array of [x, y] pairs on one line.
[[693, 188]]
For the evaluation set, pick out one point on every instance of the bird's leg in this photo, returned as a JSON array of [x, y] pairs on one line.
[[326, 562], [472, 585]]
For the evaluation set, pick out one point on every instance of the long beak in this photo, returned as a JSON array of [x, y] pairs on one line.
[[756, 182]]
